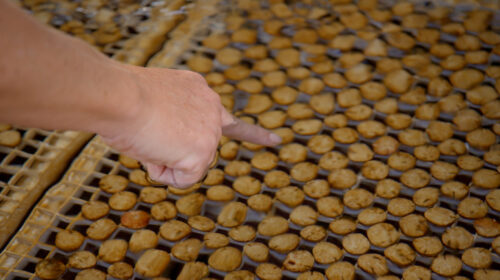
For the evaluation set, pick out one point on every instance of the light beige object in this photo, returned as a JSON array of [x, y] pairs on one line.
[[341, 271], [112, 251], [142, 239], [69, 240], [225, 259], [299, 261], [152, 263], [121, 270], [91, 273], [50, 269], [82, 260]]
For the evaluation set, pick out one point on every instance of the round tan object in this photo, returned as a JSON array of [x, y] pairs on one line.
[[201, 223], [428, 245], [342, 226], [290, 196], [481, 138], [242, 233], [213, 240], [472, 208], [359, 152], [82, 260], [401, 254], [268, 271], [375, 170], [220, 193], [446, 265], [304, 171], [273, 225], [426, 197], [477, 257], [69, 240], [342, 178], [187, 250], [470, 162], [371, 216], [233, 214], [303, 215], [135, 219], [440, 216], [257, 103], [200, 63], [50, 269], [122, 201], [142, 239], [373, 264], [112, 251], [457, 238], [486, 179], [113, 183], [415, 272], [330, 206], [398, 81], [163, 211], [152, 195], [313, 233], [225, 259], [385, 145], [94, 210], [316, 188], [174, 230], [358, 198], [333, 160], [121, 270], [382, 234], [256, 251], [415, 178], [356, 243], [152, 263], [299, 261], [413, 225], [10, 138], [284, 243], [91, 273], [387, 188], [101, 229], [341, 271], [493, 199], [487, 227], [400, 206], [260, 202], [401, 161]]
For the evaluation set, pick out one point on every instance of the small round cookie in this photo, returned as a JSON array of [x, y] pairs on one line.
[[470, 162], [382, 234], [298, 261], [358, 198], [69, 240], [415, 178], [341, 270], [152, 263], [285, 95], [260, 202], [401, 254], [326, 252], [398, 121], [322, 103], [215, 79], [187, 249], [356, 244], [486, 179], [122, 201], [477, 257], [213, 240], [426, 197], [349, 97], [256, 251], [284, 243], [321, 144], [128, 162], [401, 161], [274, 79], [256, 52], [343, 42], [139, 177], [113, 183], [412, 137], [264, 161], [266, 65], [94, 210], [311, 275], [307, 127], [214, 177], [472, 208], [342, 178], [82, 260], [298, 73], [233, 214], [290, 196], [481, 138], [142, 239], [237, 72], [216, 41], [359, 74], [113, 250], [247, 185], [345, 135], [333, 160], [330, 206], [398, 81], [229, 150], [444, 171], [417, 272], [466, 78], [375, 170], [342, 225], [413, 225], [101, 229], [426, 152], [446, 265], [371, 216], [50, 269], [272, 225], [90, 273], [201, 223], [493, 199], [135, 219], [288, 57], [313, 233], [121, 270], [268, 271], [174, 230], [190, 204], [428, 245], [272, 119], [371, 129], [303, 215], [467, 120], [427, 111], [387, 188], [492, 156], [220, 193], [237, 168], [440, 216], [244, 35], [487, 227], [293, 153], [250, 85], [373, 91], [229, 56], [359, 152], [276, 179], [10, 138], [163, 211], [385, 145], [258, 103], [316, 188], [374, 264], [334, 80], [400, 206], [304, 171], [200, 63]]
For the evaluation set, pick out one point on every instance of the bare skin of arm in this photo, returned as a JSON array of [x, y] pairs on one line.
[[168, 119]]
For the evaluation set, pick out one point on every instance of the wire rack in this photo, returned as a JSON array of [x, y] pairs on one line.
[[60, 208]]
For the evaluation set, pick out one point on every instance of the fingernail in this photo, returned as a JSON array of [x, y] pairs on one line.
[[275, 139]]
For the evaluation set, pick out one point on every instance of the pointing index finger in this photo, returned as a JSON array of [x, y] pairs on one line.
[[235, 128]]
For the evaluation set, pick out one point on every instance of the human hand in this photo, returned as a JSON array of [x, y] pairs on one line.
[[177, 126]]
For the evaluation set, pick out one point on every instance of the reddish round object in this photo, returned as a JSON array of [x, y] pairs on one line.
[[135, 219]]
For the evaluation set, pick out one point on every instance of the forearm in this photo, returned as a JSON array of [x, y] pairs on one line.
[[53, 81]]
